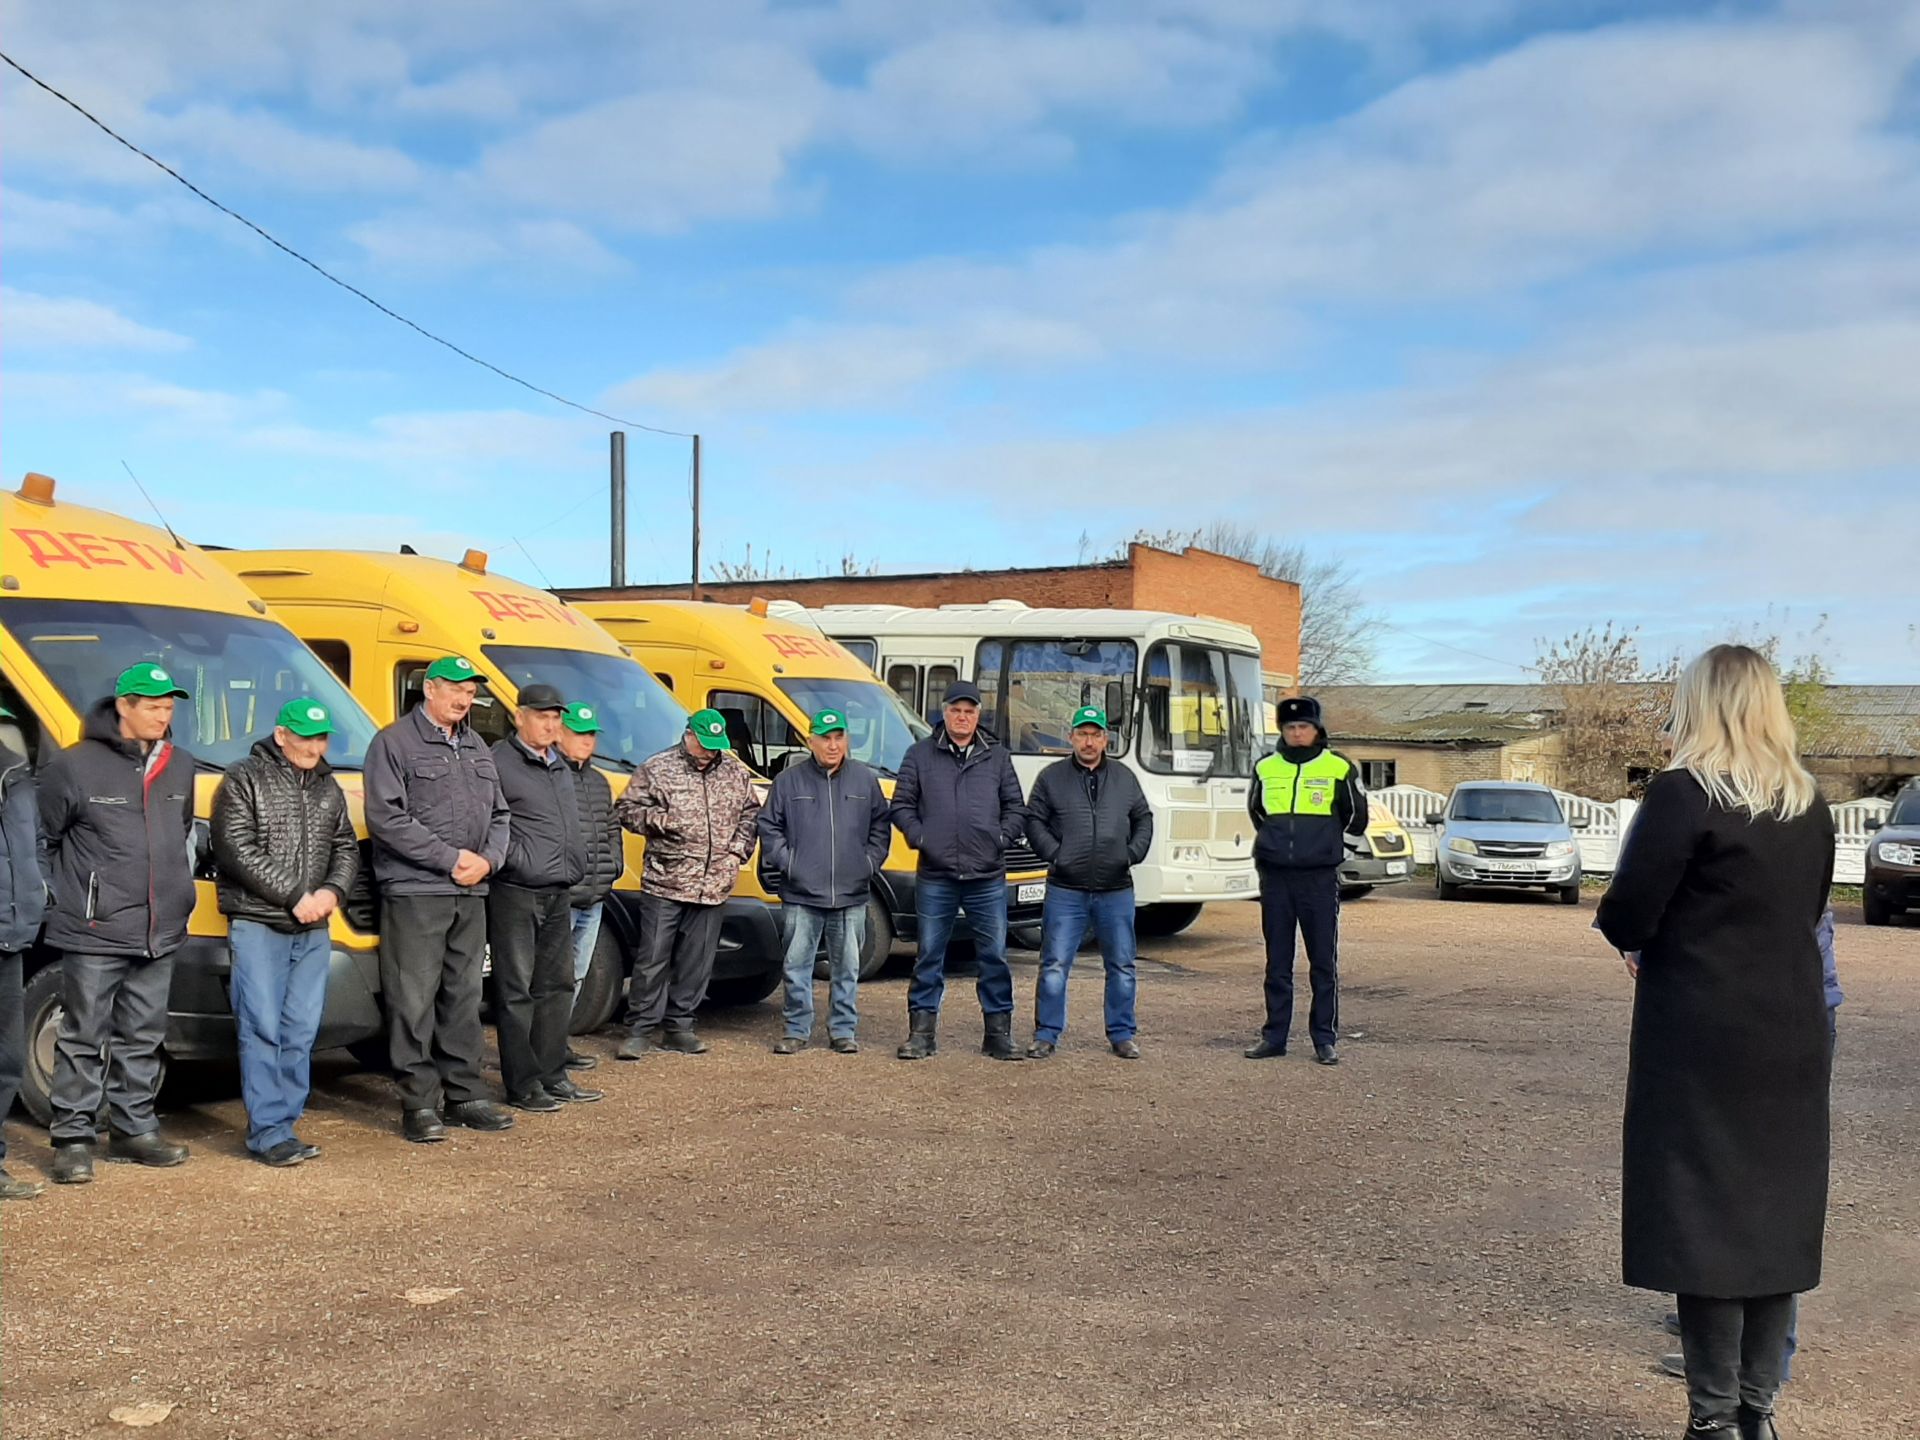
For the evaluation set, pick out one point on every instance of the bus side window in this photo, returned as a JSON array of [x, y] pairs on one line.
[[939, 677], [904, 681], [337, 656], [666, 680]]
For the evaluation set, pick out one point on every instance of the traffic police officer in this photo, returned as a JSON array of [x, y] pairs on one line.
[[1304, 800]]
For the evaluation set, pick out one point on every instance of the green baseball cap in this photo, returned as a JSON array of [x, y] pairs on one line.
[[709, 727], [148, 680], [1090, 715], [6, 714], [828, 721], [581, 719], [305, 718], [455, 668]]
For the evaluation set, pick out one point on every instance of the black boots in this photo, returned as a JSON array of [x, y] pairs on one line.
[[920, 1027], [147, 1149], [998, 1042], [1757, 1425]]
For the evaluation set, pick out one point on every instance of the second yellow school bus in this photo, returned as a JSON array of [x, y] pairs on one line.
[[380, 619]]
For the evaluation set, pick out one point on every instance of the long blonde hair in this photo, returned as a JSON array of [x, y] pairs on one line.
[[1732, 733]]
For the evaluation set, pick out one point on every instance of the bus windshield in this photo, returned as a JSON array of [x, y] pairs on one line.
[[638, 718], [1030, 689], [879, 727], [1202, 710], [237, 671]]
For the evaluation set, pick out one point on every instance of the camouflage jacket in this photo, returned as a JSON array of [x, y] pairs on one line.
[[698, 824]]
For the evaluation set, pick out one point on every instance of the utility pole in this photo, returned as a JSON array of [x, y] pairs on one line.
[[693, 589], [617, 574]]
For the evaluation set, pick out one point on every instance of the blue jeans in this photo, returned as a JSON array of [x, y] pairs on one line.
[[1063, 925], [938, 902], [279, 990], [844, 930], [586, 934]]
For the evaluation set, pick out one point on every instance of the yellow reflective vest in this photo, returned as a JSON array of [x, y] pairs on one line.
[[1302, 806]]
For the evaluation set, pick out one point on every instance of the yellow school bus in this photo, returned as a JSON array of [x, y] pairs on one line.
[[83, 595], [379, 620], [768, 677]]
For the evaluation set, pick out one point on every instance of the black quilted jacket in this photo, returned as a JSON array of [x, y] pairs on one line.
[[600, 832], [279, 833]]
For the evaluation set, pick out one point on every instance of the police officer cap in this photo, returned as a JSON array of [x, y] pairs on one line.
[[1297, 709]]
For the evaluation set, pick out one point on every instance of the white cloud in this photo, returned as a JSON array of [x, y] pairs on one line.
[[423, 242], [48, 322]]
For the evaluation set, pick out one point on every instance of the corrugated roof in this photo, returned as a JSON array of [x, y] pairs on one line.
[[1862, 720]]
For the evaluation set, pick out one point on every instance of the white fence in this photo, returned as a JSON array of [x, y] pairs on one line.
[[1607, 827]]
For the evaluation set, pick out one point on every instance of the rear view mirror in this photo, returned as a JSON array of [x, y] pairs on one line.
[[1436, 820], [1873, 825]]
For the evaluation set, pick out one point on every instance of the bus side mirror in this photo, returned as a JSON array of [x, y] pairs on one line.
[[1116, 704]]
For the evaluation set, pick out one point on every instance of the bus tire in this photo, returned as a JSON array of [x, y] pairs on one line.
[[600, 991], [41, 1008], [1165, 919], [1024, 937], [876, 945]]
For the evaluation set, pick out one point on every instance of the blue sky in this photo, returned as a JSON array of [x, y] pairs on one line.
[[1539, 312]]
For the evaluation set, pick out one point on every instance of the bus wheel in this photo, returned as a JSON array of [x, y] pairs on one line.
[[41, 1009], [1024, 937], [876, 946], [600, 992], [1161, 920]]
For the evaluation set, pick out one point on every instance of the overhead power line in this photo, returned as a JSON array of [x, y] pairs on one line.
[[323, 272], [1442, 644]]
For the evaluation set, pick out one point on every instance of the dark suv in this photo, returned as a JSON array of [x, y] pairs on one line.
[[1893, 860]]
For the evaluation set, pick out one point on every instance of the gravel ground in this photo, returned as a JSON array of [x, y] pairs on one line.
[[1419, 1242]]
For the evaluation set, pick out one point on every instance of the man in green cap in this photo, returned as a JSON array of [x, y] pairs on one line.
[[1089, 820], [606, 857], [439, 825], [695, 804], [117, 809], [824, 832], [287, 855]]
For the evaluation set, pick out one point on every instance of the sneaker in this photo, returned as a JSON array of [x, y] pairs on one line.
[[1265, 1050], [577, 1061], [535, 1102], [568, 1093], [845, 1045], [287, 1152], [12, 1189], [312, 1152], [683, 1042], [789, 1044], [1040, 1050], [1126, 1049]]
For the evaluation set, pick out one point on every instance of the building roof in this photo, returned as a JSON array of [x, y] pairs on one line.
[[1862, 720]]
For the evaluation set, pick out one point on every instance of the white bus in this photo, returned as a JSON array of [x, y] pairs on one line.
[[1181, 693]]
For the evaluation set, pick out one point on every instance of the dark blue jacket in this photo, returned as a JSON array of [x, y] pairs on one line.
[[428, 798], [961, 814], [23, 855], [825, 835]]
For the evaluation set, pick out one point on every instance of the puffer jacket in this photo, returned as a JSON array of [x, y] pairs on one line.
[[1090, 826], [545, 849], [960, 812], [599, 832], [699, 824], [825, 835], [117, 821], [280, 833], [23, 854]]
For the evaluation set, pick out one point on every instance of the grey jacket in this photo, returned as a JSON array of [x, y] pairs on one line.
[[545, 846], [430, 796], [117, 820], [825, 835], [23, 855]]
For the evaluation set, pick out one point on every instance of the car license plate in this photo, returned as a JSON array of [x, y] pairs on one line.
[[1396, 867], [1239, 882], [1031, 894], [1508, 867]]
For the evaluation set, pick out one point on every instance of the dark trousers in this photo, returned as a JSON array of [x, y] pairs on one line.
[[431, 950], [13, 1039], [531, 933], [937, 904], [1735, 1350], [115, 1006], [1307, 900], [675, 962]]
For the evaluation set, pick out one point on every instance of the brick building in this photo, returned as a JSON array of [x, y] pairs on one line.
[[1192, 582]]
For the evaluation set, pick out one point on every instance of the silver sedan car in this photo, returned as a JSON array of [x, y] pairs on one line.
[[1506, 835]]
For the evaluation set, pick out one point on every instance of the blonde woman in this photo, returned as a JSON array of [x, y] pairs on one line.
[[1724, 1174]]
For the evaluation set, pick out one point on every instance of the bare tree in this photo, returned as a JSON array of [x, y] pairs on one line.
[[739, 571], [1612, 705], [1337, 632]]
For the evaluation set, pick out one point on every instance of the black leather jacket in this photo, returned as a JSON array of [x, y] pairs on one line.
[[280, 833]]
